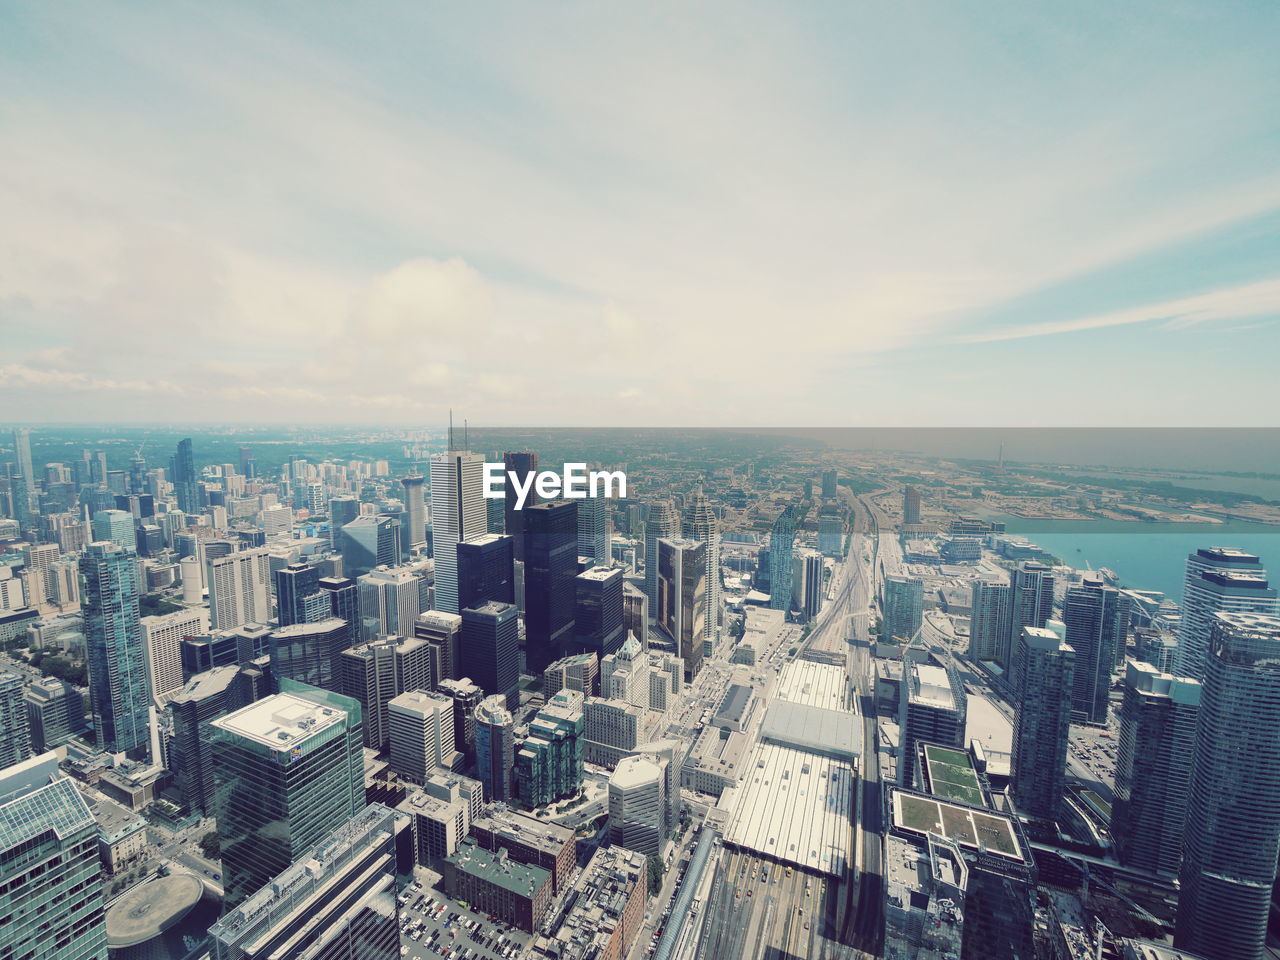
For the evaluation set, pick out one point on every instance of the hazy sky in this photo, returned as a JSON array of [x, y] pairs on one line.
[[1001, 213]]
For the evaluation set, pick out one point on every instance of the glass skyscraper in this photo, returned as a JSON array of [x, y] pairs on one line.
[[119, 675]]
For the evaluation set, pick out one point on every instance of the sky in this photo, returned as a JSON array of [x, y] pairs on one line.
[[983, 213]]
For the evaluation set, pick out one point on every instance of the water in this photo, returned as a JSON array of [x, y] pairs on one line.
[[1146, 556]]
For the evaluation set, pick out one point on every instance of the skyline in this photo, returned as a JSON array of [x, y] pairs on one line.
[[337, 219]]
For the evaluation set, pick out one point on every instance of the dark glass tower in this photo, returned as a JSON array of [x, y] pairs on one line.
[[551, 563], [486, 570], [489, 650], [522, 464], [186, 484]]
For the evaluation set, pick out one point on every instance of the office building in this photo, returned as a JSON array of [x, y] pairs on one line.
[[989, 618], [580, 672], [549, 759], [442, 633], [594, 530], [369, 542], [490, 648], [903, 607], [551, 563], [50, 874], [342, 510], [421, 734], [163, 636], [343, 596], [1232, 837], [495, 885], [598, 611], [637, 804], [808, 583], [15, 731], [221, 648], [1218, 579], [287, 768], [781, 540], [442, 811], [186, 482], [338, 902], [486, 570], [119, 678], [1041, 723], [203, 699], [1030, 605], [495, 748], [681, 611], [910, 506], [1153, 767], [116, 526], [390, 602], [415, 507], [239, 588], [299, 598], [55, 713], [523, 465], [1097, 626], [528, 839], [310, 653], [466, 696], [457, 514], [375, 673], [663, 523], [932, 708]]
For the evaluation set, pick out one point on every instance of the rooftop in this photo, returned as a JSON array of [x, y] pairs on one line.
[[812, 683], [951, 776], [966, 826], [497, 868], [149, 909], [931, 685], [280, 722]]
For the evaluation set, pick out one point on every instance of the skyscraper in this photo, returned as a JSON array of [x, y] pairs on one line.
[[1153, 767], [1232, 837], [495, 747], [988, 620], [15, 731], [119, 678], [828, 484], [636, 804], [298, 595], [593, 529], [203, 699], [807, 583], [701, 523], [910, 506], [486, 570], [50, 875], [442, 631], [186, 482], [548, 763], [489, 649], [163, 636], [390, 601], [1217, 579], [662, 524], [344, 600], [457, 513], [932, 707], [523, 464], [1041, 723], [368, 542], [1030, 605], [342, 510], [22, 449], [376, 673], [466, 696], [416, 512], [310, 653], [551, 563], [117, 526], [1097, 622], [682, 599], [420, 734], [597, 613], [781, 540], [55, 713], [239, 588], [903, 607], [288, 768]]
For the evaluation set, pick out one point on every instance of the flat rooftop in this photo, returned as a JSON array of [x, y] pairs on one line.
[[812, 729], [281, 722], [794, 806], [951, 775], [975, 829], [497, 868], [931, 685], [814, 684]]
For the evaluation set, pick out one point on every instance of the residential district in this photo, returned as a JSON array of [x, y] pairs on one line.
[[796, 703]]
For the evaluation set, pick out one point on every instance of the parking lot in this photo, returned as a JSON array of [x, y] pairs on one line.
[[432, 925]]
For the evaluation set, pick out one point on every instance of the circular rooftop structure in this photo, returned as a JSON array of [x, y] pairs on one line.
[[148, 910]]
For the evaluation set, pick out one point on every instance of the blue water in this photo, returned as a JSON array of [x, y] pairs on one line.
[[1147, 556]]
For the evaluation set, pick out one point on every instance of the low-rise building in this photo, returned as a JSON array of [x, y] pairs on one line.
[[608, 912], [528, 840], [495, 884]]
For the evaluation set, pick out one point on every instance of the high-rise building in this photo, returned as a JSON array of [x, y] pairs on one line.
[[903, 607], [344, 600], [489, 650], [523, 465], [1030, 605], [457, 513], [1041, 723], [932, 708], [831, 537], [368, 542], [55, 713], [15, 731], [781, 540], [466, 696], [163, 636], [119, 678], [636, 804], [1218, 579], [910, 505], [701, 523], [298, 595], [1232, 837], [624, 675], [989, 614], [1153, 767], [495, 748], [50, 875], [342, 510], [117, 526], [338, 902], [594, 534], [375, 673], [828, 484], [551, 563], [288, 767], [22, 449], [807, 583], [486, 570], [310, 653], [548, 762], [442, 631], [203, 699], [682, 599], [663, 523], [239, 588], [415, 512], [598, 611], [186, 482], [1097, 622], [421, 734], [390, 601]]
